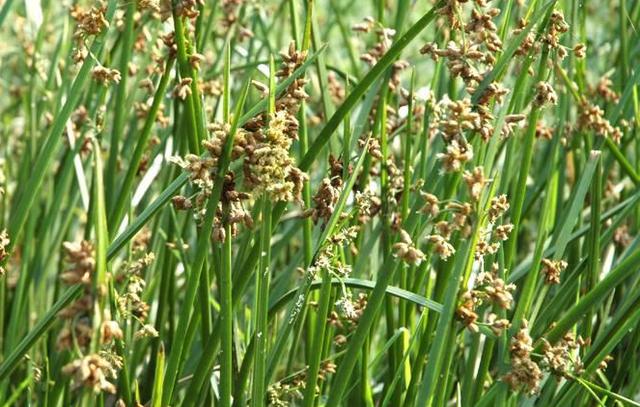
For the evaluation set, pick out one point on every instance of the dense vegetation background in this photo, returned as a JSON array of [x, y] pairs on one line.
[[288, 202]]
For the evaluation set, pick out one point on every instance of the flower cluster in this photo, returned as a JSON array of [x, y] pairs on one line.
[[406, 250], [559, 358], [4, 254], [106, 76], [525, 374], [552, 269], [328, 192], [93, 372]]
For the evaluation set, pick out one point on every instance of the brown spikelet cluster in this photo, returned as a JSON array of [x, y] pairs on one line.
[[231, 211], [488, 289], [561, 358], [591, 117], [326, 197], [106, 76], [129, 299], [89, 22], [525, 374], [4, 254], [552, 269], [188, 8], [269, 168], [80, 256], [263, 144], [406, 250], [545, 95], [93, 372]]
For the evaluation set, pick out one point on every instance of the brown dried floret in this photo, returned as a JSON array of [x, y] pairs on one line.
[[80, 256], [406, 250], [92, 371], [455, 156], [4, 253], [475, 181], [552, 269]]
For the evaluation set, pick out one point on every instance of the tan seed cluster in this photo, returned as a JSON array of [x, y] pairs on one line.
[[106, 76], [4, 254], [80, 257], [525, 374], [552, 269], [591, 117], [499, 206], [456, 155], [442, 247], [545, 95], [92, 372], [406, 250], [559, 358], [475, 181]]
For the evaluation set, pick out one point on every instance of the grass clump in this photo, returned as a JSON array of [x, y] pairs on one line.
[[319, 203]]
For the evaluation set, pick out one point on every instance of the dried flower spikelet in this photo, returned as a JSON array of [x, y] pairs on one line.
[[455, 156], [604, 90], [79, 307], [336, 89], [365, 26], [580, 50], [181, 203], [557, 26], [552, 269], [494, 288], [461, 213], [346, 307], [443, 248], [211, 88], [497, 325], [80, 256], [269, 168], [511, 122], [591, 117], [622, 237], [545, 95], [325, 200], [384, 35], [406, 250], [525, 374], [110, 330], [152, 5], [466, 311], [475, 181], [92, 371], [147, 331], [81, 335], [543, 131], [456, 117], [195, 60], [431, 204], [502, 232], [106, 76], [4, 254], [183, 89], [452, 10], [90, 22], [605, 362], [485, 247], [188, 8], [368, 204], [499, 205]]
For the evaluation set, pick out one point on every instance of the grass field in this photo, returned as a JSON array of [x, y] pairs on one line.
[[319, 203]]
